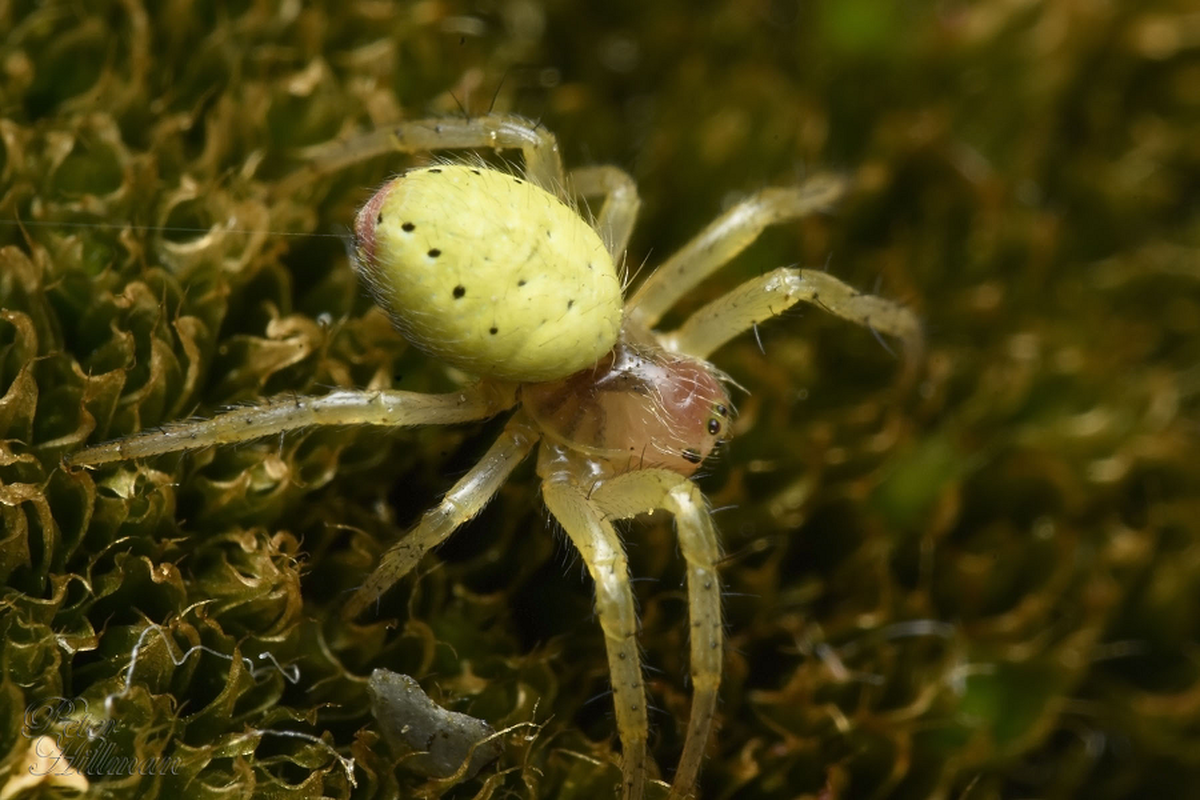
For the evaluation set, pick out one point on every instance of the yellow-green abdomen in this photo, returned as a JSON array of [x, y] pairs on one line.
[[489, 273]]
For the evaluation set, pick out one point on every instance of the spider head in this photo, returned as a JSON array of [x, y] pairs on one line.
[[639, 407]]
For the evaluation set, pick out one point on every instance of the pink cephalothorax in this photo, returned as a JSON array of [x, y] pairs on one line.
[[638, 407]]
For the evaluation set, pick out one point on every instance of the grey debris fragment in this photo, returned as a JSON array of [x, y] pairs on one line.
[[441, 740]]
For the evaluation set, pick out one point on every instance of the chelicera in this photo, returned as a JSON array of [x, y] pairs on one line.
[[501, 276]]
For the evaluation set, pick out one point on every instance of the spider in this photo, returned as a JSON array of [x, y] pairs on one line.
[[500, 275]]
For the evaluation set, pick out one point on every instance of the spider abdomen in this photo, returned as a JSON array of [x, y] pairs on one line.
[[638, 407], [489, 273]]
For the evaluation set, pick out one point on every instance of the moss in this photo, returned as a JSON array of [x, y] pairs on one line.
[[982, 585]]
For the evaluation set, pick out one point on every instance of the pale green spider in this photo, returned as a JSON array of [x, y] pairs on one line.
[[500, 276]]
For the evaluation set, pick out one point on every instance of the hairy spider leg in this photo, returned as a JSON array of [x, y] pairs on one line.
[[725, 237], [770, 295], [619, 211], [392, 409], [539, 148], [637, 492], [600, 547], [464, 500]]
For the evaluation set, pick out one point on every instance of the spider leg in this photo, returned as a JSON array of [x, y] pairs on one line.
[[636, 492], [543, 164], [615, 221], [466, 499], [771, 294], [601, 550], [725, 237], [393, 409]]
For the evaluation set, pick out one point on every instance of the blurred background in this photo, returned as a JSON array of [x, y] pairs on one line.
[[982, 583]]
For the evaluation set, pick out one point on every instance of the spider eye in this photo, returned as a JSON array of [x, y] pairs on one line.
[[714, 426]]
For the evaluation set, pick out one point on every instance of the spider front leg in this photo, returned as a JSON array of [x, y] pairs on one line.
[[539, 148], [725, 237], [636, 492], [772, 294], [600, 547], [466, 499], [392, 409]]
